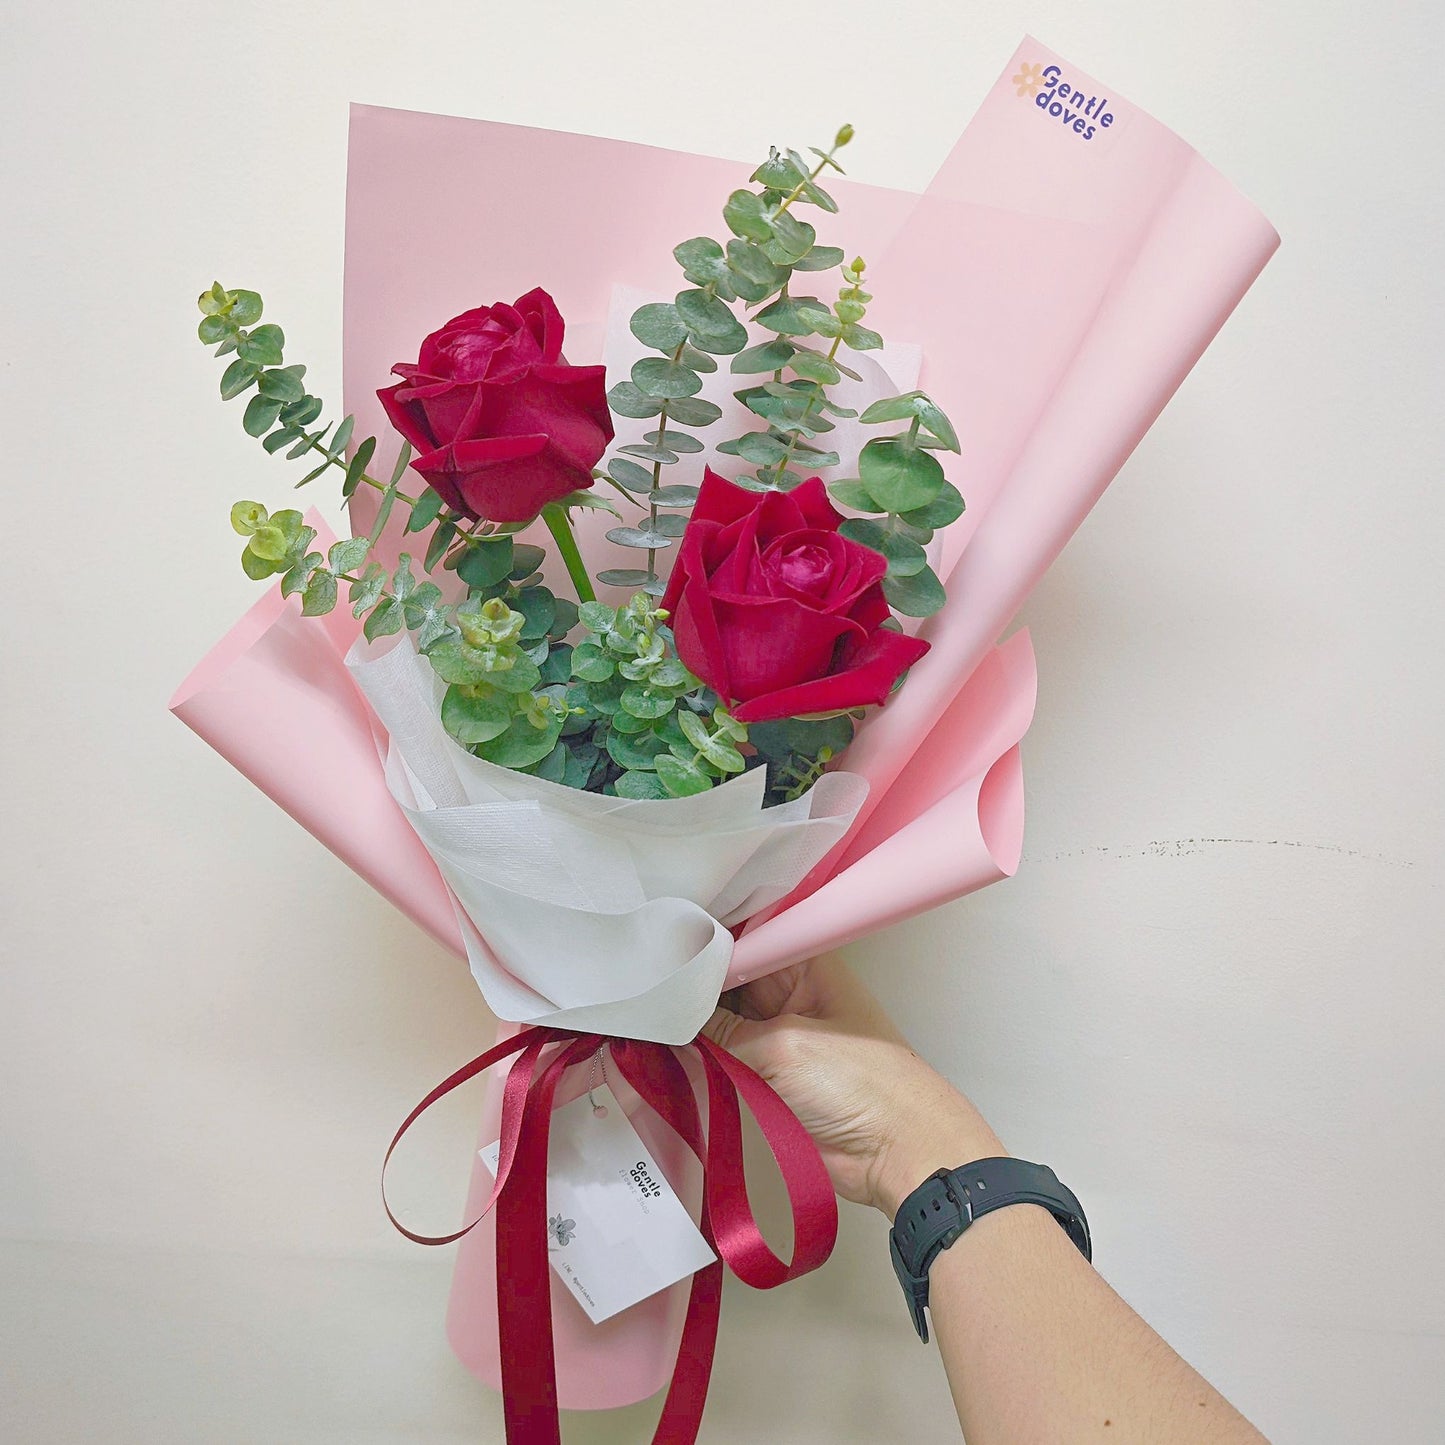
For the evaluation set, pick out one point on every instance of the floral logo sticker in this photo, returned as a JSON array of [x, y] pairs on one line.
[[1029, 80], [562, 1230]]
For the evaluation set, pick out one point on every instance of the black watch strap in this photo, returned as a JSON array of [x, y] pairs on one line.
[[946, 1203]]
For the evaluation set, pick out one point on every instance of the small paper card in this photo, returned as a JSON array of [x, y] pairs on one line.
[[616, 1231]]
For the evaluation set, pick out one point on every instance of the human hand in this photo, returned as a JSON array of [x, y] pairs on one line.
[[882, 1119]]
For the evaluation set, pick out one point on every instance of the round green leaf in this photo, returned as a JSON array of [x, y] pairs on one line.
[[681, 779], [486, 563], [917, 596], [626, 400], [640, 786], [471, 720], [635, 750], [642, 702], [658, 325], [899, 477], [522, 744], [656, 376], [744, 216], [591, 663], [946, 507], [693, 411]]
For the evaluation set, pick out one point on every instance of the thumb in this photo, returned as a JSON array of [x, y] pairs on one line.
[[746, 1040]]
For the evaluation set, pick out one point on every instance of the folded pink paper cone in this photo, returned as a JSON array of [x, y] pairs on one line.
[[1142, 250]]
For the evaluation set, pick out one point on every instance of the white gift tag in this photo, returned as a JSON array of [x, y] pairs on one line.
[[616, 1231]]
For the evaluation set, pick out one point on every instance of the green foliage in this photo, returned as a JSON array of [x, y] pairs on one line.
[[654, 729], [797, 750]]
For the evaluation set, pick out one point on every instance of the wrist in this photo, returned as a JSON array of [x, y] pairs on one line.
[[941, 1134]]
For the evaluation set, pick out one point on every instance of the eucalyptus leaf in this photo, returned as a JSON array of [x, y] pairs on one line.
[[820, 258], [384, 619], [245, 307], [681, 779], [855, 495], [263, 346], [486, 564], [260, 416], [769, 356], [656, 376], [626, 577], [792, 238], [650, 453], [899, 477], [472, 720], [699, 361], [860, 338], [282, 383], [425, 511], [946, 507], [702, 260], [638, 785], [348, 554], [629, 474], [933, 418], [744, 216], [658, 325], [356, 467], [814, 366], [639, 537], [693, 411], [792, 315], [539, 607], [674, 441], [711, 324], [918, 596], [905, 557], [669, 524], [239, 376], [626, 400], [319, 596]]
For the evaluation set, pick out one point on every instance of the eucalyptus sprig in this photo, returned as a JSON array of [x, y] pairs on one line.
[[283, 415], [767, 245], [901, 482]]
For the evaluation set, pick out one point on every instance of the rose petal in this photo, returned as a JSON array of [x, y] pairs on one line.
[[875, 666]]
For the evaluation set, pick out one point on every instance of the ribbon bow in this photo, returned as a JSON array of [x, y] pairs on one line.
[[524, 1297]]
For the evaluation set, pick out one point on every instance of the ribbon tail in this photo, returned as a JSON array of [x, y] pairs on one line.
[[524, 1279]]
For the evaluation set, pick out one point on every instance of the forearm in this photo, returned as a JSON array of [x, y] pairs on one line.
[[1037, 1347]]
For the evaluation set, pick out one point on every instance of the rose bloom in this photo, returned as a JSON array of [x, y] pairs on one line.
[[501, 424], [776, 611]]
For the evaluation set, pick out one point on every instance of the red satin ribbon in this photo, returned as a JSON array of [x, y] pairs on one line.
[[524, 1292]]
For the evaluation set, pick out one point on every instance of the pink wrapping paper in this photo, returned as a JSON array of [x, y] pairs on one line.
[[1061, 289]]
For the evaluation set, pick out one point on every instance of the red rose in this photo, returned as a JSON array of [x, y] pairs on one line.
[[776, 611], [501, 424]]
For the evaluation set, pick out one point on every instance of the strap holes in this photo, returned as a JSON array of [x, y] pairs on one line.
[[935, 1207]]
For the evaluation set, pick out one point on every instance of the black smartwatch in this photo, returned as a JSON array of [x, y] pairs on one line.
[[946, 1203]]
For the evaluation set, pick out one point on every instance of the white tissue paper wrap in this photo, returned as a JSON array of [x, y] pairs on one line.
[[586, 912]]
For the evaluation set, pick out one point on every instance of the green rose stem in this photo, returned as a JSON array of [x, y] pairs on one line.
[[554, 514]]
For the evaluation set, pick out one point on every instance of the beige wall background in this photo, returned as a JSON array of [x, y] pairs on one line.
[[1213, 997]]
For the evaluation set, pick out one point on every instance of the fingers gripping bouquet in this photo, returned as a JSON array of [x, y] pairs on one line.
[[612, 789]]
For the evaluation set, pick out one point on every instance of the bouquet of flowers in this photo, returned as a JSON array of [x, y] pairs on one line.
[[638, 679]]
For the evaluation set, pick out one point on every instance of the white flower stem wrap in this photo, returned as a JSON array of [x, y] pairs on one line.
[[579, 910]]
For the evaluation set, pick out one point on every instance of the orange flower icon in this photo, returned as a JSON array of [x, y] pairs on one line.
[[1029, 79]]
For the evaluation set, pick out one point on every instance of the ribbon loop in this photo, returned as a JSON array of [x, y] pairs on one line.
[[524, 1286]]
